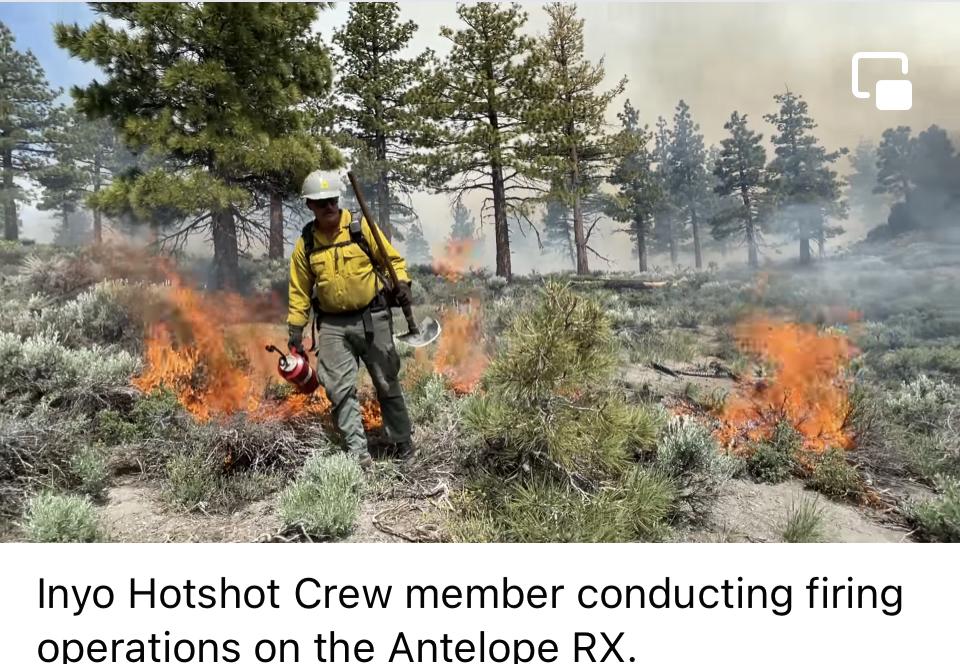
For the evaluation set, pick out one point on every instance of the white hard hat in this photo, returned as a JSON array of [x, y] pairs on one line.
[[321, 184]]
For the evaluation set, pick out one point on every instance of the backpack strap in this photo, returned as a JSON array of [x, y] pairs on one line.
[[308, 248]]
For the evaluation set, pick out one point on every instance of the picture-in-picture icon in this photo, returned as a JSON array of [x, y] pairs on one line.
[[891, 94]]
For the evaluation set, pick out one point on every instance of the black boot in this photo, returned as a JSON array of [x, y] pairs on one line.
[[405, 451]]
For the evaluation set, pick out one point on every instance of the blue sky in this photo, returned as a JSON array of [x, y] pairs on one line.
[[32, 27]]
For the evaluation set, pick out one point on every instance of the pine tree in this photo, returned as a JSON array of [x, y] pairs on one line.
[[221, 92], [375, 112], [64, 185], [667, 231], [464, 225], [686, 172], [921, 174], [569, 135], [894, 159], [862, 180], [807, 189], [87, 157], [638, 188], [740, 170], [416, 247], [26, 104], [558, 229], [477, 99]]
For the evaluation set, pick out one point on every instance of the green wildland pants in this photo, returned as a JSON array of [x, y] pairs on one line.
[[340, 345]]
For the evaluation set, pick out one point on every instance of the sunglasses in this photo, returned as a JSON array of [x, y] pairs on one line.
[[326, 202]]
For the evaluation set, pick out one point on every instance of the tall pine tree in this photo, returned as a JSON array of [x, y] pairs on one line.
[[667, 230], [220, 92], [807, 188], [26, 105], [686, 172], [569, 131], [375, 112], [464, 225], [558, 229], [638, 188], [416, 247], [478, 99], [88, 150], [740, 170], [864, 201]]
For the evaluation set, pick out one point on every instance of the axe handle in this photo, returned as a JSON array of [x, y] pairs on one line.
[[412, 327]]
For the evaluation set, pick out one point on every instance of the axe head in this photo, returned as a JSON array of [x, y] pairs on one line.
[[429, 330]]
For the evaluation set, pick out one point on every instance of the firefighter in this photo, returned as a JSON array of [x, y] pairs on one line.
[[334, 269]]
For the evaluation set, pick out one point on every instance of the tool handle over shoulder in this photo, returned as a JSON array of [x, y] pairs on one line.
[[374, 230]]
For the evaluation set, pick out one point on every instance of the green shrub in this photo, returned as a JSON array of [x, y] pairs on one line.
[[156, 411], [88, 468], [834, 477], [689, 455], [195, 480], [542, 509], [191, 480], [905, 364], [325, 500], [938, 519], [774, 459], [429, 398], [653, 345], [923, 404], [647, 502], [40, 370], [37, 447], [931, 455], [50, 517], [113, 429], [804, 522], [549, 397]]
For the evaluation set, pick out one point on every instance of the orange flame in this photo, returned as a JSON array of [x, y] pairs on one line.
[[370, 413], [210, 352], [458, 257], [460, 356], [808, 387]]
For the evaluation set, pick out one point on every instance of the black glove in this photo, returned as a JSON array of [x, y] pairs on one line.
[[402, 294], [295, 340]]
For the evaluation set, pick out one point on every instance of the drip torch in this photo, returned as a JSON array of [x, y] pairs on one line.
[[296, 370]]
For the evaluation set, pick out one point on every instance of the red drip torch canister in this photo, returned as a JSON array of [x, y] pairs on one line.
[[296, 370]]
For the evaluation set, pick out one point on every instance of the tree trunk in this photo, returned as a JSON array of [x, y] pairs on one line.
[[275, 250], [97, 221], [673, 241], [579, 235], [383, 205], [753, 255], [11, 229], [642, 244], [501, 230], [697, 254], [805, 251], [225, 253]]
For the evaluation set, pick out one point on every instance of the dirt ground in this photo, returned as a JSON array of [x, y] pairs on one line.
[[749, 512], [134, 512], [746, 512]]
